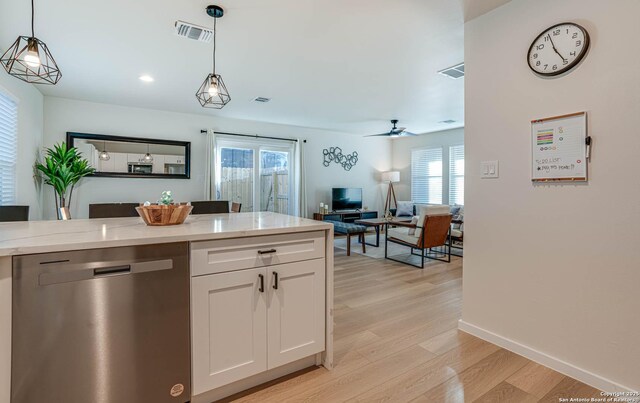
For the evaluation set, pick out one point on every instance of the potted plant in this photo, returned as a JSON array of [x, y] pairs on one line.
[[63, 168]]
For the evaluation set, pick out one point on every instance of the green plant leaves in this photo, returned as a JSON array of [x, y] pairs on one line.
[[63, 168]]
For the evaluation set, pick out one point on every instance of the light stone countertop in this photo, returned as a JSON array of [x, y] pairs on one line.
[[20, 238]]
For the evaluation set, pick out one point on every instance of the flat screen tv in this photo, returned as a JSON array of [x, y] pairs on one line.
[[346, 198]]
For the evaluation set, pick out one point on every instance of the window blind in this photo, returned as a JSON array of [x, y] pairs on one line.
[[8, 149], [426, 176], [456, 174]]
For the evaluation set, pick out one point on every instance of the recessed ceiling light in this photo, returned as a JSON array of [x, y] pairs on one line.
[[448, 121], [146, 78]]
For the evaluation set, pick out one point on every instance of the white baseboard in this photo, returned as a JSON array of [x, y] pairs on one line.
[[556, 364]]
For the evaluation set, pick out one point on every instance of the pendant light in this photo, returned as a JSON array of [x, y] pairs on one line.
[[213, 93], [147, 157], [29, 59], [104, 154]]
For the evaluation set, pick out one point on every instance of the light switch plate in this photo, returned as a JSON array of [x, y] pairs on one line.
[[489, 169]]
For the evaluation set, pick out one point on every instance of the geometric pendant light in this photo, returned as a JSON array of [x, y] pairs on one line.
[[29, 60], [148, 158], [213, 92], [104, 154]]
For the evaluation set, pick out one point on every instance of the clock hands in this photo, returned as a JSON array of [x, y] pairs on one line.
[[556, 50]]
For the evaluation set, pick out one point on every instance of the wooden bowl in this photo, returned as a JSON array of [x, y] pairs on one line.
[[160, 214]]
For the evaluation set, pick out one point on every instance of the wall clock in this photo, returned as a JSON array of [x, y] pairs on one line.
[[558, 49]]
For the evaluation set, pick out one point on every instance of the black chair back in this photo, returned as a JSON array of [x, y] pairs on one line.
[[210, 207], [112, 210], [14, 213]]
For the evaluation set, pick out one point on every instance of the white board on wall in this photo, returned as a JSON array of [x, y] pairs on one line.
[[559, 148]]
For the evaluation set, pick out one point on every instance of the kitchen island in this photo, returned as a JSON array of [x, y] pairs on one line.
[[283, 264]]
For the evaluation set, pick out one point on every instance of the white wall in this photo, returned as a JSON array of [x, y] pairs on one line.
[[62, 115], [30, 111], [555, 268], [401, 157]]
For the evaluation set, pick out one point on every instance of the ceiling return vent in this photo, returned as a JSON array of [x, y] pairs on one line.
[[192, 31], [454, 72]]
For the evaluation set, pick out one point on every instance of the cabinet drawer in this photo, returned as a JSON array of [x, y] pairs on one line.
[[244, 253]]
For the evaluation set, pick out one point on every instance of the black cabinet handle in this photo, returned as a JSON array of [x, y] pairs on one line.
[[261, 277], [266, 252], [275, 280]]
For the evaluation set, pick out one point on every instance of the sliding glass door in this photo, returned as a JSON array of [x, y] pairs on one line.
[[257, 175], [275, 179], [236, 175]]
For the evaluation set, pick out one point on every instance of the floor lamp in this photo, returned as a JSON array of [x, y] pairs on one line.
[[390, 177]]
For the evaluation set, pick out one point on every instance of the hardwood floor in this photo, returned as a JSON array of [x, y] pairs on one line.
[[396, 340]]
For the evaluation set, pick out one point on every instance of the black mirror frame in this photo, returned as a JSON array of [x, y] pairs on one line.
[[71, 136]]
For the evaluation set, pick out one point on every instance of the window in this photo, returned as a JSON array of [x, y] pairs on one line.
[[426, 176], [456, 174], [8, 149], [258, 175]]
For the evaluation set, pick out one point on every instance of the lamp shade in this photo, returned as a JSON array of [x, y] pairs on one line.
[[391, 176]]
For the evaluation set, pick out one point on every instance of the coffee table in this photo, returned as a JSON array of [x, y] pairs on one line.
[[377, 224]]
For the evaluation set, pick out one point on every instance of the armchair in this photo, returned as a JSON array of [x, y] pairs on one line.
[[431, 230]]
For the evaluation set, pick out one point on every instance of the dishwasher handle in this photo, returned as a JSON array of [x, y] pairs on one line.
[[95, 270], [112, 271]]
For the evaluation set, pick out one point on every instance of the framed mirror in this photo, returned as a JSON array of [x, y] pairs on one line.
[[132, 157]]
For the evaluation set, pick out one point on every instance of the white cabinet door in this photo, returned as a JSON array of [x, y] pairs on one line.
[[107, 166], [296, 314], [229, 328], [173, 159], [119, 162], [134, 157], [158, 164]]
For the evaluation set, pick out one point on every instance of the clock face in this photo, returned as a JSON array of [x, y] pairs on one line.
[[558, 49]]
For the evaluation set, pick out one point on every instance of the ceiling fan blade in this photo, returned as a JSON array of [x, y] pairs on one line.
[[378, 135], [406, 133]]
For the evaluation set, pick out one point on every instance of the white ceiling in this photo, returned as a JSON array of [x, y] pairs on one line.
[[476, 8], [334, 64]]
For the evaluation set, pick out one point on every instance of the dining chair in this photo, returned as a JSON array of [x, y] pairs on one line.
[[113, 210], [210, 207], [14, 213]]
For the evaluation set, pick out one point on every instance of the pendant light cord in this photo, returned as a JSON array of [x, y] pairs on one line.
[[32, 18], [215, 36]]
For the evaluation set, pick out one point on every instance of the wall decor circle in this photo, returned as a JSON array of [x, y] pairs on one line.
[[335, 154]]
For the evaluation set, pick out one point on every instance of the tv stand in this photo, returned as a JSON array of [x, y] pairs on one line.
[[345, 216]]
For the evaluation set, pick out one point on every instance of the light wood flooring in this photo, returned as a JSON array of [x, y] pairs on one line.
[[396, 340]]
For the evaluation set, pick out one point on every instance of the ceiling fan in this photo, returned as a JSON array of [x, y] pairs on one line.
[[395, 131]]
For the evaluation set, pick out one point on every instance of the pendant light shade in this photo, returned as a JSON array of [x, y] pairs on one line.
[[104, 155], [30, 60], [213, 92], [147, 157]]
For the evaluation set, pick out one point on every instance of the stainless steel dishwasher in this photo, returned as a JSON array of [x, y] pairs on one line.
[[102, 326]]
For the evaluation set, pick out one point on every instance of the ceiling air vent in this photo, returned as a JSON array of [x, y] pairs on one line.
[[192, 31], [455, 72], [261, 99]]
